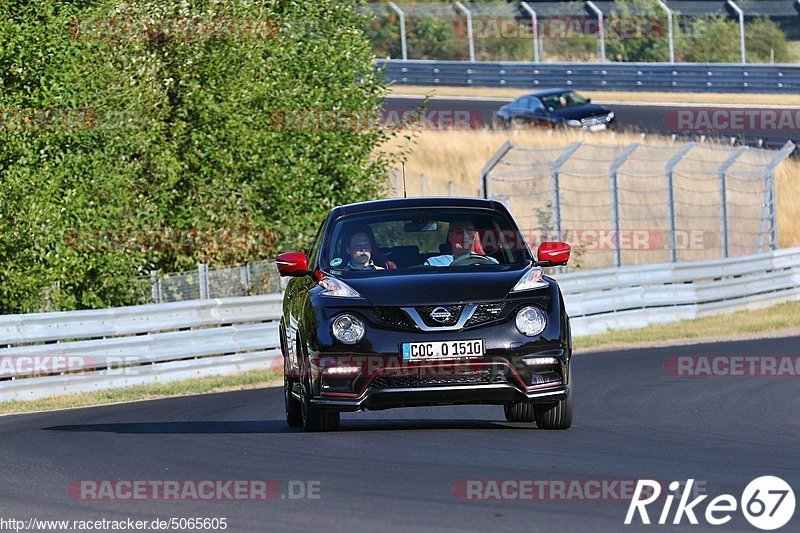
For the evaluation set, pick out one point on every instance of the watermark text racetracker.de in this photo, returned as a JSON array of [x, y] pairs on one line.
[[201, 523], [716, 366], [561, 28], [550, 489], [718, 119], [193, 489]]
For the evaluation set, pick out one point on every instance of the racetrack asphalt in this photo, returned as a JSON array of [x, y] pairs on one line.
[[634, 117], [397, 469]]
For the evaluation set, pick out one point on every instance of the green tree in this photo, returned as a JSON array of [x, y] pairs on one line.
[[170, 143]]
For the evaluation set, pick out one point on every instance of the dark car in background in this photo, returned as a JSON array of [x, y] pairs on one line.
[[555, 108], [424, 301]]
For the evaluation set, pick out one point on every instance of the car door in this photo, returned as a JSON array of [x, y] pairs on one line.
[[530, 110]]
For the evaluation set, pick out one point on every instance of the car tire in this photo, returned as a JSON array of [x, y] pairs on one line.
[[314, 418], [520, 411], [557, 416], [294, 411]]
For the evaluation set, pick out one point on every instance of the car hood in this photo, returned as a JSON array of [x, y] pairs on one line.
[[582, 111], [438, 287]]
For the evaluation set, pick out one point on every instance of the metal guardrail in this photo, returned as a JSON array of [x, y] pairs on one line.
[[639, 296], [677, 77], [82, 351], [159, 343]]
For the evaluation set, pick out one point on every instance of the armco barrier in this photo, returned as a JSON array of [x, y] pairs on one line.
[[671, 77], [167, 342]]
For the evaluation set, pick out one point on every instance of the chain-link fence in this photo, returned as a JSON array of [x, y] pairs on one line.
[[204, 283], [637, 204]]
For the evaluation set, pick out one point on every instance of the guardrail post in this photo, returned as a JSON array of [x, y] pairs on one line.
[[600, 29], [723, 196], [451, 188], [670, 32], [612, 174], [402, 17], [555, 170], [669, 170], [202, 277], [466, 12], [739, 12], [535, 28], [484, 175]]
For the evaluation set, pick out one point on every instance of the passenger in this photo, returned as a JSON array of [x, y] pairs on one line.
[[360, 251], [461, 238]]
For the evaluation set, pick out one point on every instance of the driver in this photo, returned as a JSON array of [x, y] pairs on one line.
[[461, 238]]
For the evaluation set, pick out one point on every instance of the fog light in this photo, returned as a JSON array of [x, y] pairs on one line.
[[533, 360], [531, 321], [342, 370], [348, 329]]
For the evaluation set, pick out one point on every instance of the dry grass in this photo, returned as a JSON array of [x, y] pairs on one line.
[[613, 96], [457, 156]]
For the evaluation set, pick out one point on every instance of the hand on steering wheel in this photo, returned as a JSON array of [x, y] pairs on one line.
[[473, 259]]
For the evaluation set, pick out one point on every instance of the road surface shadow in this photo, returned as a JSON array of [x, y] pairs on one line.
[[278, 426]]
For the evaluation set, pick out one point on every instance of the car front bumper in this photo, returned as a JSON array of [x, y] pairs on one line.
[[498, 393]]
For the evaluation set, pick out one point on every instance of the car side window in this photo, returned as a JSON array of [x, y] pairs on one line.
[[521, 103], [535, 104], [315, 244]]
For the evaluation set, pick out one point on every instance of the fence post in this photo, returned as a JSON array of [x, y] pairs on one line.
[[770, 207], [600, 29], [450, 188], [740, 13], [723, 196], [498, 155], [670, 168], [670, 32], [470, 38], [244, 272], [554, 171], [155, 287], [402, 17], [535, 28], [422, 184], [612, 174], [202, 277]]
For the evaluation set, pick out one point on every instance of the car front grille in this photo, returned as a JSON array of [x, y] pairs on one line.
[[474, 377], [592, 121], [486, 313], [425, 314], [394, 317]]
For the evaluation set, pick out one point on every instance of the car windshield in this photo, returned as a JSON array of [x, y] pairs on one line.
[[563, 100], [422, 240]]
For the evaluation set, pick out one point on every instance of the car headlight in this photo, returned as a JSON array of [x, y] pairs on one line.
[[574, 123], [348, 329], [338, 288], [532, 279], [610, 115], [531, 321]]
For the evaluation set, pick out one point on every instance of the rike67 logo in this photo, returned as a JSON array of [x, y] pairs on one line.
[[767, 503]]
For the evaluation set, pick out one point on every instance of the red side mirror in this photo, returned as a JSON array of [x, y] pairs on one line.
[[292, 264], [553, 253]]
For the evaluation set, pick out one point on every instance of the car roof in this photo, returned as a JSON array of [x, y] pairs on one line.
[[428, 201], [547, 92]]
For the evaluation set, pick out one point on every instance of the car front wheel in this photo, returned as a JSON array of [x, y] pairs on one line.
[[314, 418], [294, 413], [557, 416]]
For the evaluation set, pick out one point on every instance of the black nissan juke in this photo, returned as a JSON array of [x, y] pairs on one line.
[[424, 301]]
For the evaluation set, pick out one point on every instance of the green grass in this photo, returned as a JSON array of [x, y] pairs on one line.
[[245, 380], [777, 317]]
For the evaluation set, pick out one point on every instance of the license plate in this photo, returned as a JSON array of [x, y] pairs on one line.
[[597, 127], [442, 349]]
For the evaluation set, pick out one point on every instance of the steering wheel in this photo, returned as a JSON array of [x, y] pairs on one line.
[[473, 259]]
